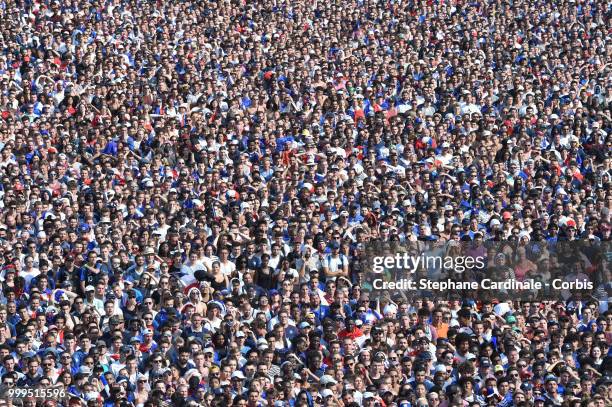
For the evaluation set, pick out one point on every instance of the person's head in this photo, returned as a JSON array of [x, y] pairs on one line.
[[550, 384], [23, 312], [184, 355], [33, 365], [9, 380]]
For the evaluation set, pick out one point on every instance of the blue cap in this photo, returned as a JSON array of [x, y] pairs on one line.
[[550, 378], [426, 356]]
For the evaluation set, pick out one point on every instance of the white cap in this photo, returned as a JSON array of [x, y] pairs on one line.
[[326, 393], [327, 379]]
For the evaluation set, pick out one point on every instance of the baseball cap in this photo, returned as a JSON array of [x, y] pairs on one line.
[[550, 378], [238, 375], [327, 392], [84, 370], [440, 368], [327, 379], [426, 356]]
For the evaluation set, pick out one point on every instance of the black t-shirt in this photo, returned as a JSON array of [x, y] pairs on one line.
[[21, 328], [128, 315], [218, 286], [265, 278], [91, 278]]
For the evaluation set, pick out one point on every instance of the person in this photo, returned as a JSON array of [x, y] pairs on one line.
[[191, 195]]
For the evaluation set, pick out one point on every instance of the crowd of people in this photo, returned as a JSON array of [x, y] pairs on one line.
[[186, 188]]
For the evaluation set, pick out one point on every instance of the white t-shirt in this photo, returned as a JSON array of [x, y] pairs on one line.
[[191, 268], [334, 264], [29, 275], [274, 262], [228, 268]]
